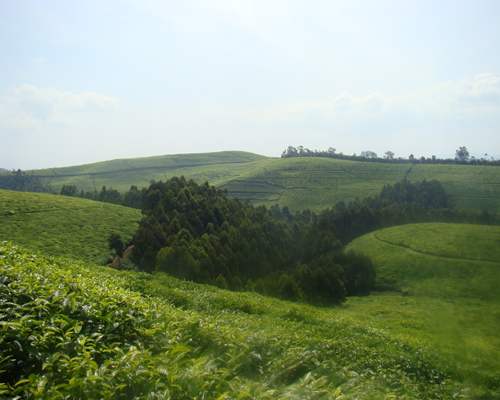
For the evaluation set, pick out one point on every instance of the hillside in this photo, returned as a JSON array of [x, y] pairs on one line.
[[217, 168], [117, 335], [298, 183], [64, 226], [437, 259]]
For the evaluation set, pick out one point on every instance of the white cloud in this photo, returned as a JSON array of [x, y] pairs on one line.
[[29, 107]]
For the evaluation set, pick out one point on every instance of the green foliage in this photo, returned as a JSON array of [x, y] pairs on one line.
[[198, 233], [24, 182], [116, 243], [69, 330], [64, 226]]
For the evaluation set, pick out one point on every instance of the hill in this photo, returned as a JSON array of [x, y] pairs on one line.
[[444, 260], [116, 334], [450, 277], [297, 183], [59, 225], [121, 174]]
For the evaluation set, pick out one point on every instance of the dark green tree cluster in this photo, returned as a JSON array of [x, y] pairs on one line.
[[23, 182], [198, 233]]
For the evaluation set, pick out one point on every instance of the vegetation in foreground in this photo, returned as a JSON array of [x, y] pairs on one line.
[[62, 226], [72, 330]]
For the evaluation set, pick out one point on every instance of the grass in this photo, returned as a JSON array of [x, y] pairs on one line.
[[133, 335], [297, 183], [436, 259], [450, 274], [59, 225]]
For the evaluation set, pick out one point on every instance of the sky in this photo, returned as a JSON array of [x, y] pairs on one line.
[[88, 81]]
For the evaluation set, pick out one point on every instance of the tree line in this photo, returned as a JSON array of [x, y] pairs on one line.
[[462, 157], [131, 198], [22, 182]]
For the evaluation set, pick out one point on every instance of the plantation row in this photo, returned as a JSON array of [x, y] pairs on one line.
[[75, 331], [62, 226]]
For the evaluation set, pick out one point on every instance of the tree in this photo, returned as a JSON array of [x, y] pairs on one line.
[[462, 154], [115, 243], [368, 154], [389, 155], [69, 190]]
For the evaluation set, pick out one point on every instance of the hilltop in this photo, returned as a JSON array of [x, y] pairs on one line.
[[297, 183]]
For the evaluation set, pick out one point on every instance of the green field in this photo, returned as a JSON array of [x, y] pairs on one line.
[[298, 183], [449, 275], [59, 225], [217, 168], [102, 333], [436, 259]]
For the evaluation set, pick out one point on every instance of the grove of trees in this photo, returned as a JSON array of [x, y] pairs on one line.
[[198, 233]]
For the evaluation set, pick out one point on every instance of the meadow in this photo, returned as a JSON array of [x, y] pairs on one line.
[[59, 225], [298, 183]]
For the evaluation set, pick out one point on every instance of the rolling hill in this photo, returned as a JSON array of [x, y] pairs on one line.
[[445, 260], [435, 338], [64, 226], [298, 183]]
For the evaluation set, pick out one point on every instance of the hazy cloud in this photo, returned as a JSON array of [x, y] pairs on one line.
[[29, 107]]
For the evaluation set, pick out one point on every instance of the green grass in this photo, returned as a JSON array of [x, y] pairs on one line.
[[436, 259], [298, 183], [64, 226], [83, 331], [450, 274]]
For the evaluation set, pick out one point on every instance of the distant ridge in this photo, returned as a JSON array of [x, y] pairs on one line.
[[298, 183]]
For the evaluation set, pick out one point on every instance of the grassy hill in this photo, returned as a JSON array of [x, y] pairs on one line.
[[315, 183], [452, 275], [116, 334], [217, 168], [59, 225], [445, 260]]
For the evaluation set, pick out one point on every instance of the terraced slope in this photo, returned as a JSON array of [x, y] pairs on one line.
[[314, 183], [437, 259], [63, 226], [297, 183], [121, 174], [472, 187]]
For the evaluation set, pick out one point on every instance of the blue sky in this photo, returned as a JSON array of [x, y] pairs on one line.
[[87, 81]]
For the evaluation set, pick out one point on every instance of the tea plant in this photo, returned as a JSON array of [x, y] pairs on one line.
[[64, 226], [72, 330]]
